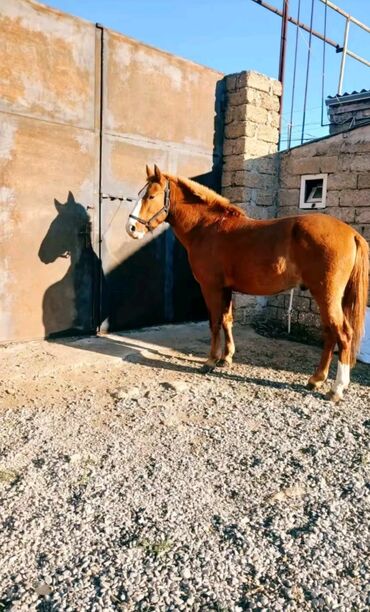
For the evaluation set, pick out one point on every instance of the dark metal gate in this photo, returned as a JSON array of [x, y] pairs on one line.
[[149, 282]]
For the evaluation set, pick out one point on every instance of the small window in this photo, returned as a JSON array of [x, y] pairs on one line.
[[313, 191]]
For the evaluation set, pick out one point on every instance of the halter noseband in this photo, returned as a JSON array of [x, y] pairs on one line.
[[165, 208]]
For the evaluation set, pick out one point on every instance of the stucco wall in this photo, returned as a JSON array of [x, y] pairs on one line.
[[157, 108]]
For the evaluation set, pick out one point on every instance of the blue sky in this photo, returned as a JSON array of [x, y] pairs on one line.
[[235, 35]]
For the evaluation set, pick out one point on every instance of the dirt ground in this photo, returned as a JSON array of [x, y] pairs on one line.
[[42, 372]]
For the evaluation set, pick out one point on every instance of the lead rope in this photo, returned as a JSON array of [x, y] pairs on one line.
[[290, 309]]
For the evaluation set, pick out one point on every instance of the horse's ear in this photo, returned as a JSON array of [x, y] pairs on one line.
[[149, 172], [157, 173], [70, 198], [58, 205]]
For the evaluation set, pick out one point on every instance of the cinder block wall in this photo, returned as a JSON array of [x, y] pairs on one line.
[[345, 158], [250, 170], [267, 183]]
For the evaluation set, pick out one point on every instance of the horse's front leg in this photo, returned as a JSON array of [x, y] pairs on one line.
[[227, 325], [214, 301]]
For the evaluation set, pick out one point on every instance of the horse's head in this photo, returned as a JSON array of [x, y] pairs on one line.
[[67, 232], [152, 205]]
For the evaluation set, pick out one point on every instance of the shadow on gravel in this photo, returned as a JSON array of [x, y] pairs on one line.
[[185, 350]]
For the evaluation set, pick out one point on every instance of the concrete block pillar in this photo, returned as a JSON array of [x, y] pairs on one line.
[[250, 163], [250, 159]]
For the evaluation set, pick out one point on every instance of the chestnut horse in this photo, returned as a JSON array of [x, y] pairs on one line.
[[229, 251]]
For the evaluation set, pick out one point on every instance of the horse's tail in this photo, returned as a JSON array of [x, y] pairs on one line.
[[355, 294]]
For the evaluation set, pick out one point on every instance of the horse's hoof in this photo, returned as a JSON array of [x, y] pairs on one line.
[[226, 364], [207, 368], [333, 396], [313, 385]]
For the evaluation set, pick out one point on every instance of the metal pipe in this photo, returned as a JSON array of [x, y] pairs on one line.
[[305, 27], [343, 62], [346, 15], [294, 78], [307, 71], [358, 58], [101, 117], [281, 77]]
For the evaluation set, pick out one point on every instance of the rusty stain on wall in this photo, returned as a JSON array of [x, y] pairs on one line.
[[46, 66], [49, 146]]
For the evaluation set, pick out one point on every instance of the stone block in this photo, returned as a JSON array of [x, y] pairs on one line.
[[342, 180], [234, 194], [231, 82], [300, 303], [288, 211], [267, 164], [289, 181], [240, 128], [258, 81], [364, 180], [238, 97], [332, 198], [256, 148], [363, 216], [227, 178], [310, 319], [235, 113], [355, 197], [328, 163], [344, 214], [355, 162], [256, 114], [233, 162], [305, 166], [264, 198], [260, 212], [257, 180], [267, 133], [276, 87], [273, 119], [235, 146], [288, 198]]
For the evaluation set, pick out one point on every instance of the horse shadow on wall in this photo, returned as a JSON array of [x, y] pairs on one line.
[[71, 306]]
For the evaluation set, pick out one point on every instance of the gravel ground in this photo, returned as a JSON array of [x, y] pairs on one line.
[[129, 481]]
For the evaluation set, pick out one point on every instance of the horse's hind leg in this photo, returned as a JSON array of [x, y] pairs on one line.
[[227, 326], [322, 371], [344, 340], [337, 331]]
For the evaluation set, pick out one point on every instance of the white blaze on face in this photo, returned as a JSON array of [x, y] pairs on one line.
[[131, 223], [342, 379]]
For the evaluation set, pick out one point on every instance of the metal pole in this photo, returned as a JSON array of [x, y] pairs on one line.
[[101, 118], [344, 53], [307, 71], [303, 26], [283, 44], [347, 15]]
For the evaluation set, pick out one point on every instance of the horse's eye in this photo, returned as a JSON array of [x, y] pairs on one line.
[[151, 197]]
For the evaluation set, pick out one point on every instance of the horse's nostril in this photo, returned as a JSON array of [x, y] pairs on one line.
[[132, 228]]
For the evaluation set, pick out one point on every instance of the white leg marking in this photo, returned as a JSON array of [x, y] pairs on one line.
[[131, 223], [342, 379]]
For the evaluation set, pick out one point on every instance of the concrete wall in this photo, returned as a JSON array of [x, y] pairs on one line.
[[48, 146], [157, 108]]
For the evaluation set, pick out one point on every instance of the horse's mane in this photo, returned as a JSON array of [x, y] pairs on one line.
[[212, 199]]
